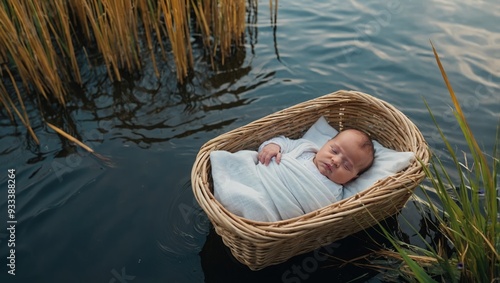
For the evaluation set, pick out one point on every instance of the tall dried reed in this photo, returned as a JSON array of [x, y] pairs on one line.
[[41, 39]]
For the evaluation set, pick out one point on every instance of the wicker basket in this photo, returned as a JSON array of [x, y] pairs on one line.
[[260, 244]]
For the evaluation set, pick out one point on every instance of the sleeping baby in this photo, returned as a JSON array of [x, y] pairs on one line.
[[288, 178], [340, 160]]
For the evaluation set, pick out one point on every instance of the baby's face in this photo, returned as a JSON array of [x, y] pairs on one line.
[[341, 158]]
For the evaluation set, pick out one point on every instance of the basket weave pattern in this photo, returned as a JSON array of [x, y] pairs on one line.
[[260, 244]]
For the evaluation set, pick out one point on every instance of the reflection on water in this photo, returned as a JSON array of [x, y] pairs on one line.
[[147, 110], [90, 221]]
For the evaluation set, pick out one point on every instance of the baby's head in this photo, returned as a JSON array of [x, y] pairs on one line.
[[346, 156]]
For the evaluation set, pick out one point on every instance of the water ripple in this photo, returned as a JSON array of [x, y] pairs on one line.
[[186, 224]]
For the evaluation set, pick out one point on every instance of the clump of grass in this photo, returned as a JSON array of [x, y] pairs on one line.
[[113, 26], [41, 39], [467, 215], [221, 33]]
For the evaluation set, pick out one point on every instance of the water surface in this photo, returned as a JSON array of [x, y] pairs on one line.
[[81, 220]]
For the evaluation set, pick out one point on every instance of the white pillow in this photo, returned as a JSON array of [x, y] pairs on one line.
[[387, 162]]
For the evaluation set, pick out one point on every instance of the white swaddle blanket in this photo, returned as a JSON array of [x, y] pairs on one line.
[[275, 192]]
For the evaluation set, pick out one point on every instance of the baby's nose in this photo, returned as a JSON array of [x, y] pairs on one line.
[[336, 160]]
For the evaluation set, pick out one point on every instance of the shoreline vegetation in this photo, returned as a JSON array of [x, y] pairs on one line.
[[43, 42], [466, 219]]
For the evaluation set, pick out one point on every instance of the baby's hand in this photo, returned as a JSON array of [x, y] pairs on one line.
[[268, 152]]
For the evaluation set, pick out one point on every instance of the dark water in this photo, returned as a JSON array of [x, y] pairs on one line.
[[80, 220]]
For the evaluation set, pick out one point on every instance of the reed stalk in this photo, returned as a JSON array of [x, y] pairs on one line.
[[177, 26], [41, 41]]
